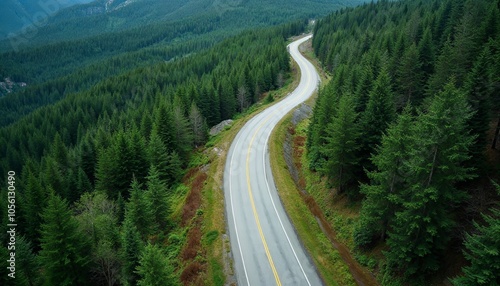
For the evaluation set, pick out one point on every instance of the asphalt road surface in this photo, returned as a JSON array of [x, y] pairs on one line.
[[264, 245]]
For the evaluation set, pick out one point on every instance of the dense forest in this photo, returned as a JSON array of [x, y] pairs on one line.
[[96, 169], [408, 128], [88, 51]]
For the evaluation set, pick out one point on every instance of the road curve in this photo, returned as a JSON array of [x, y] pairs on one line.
[[265, 247]]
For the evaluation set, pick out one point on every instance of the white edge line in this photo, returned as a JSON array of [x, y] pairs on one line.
[[272, 200], [232, 211]]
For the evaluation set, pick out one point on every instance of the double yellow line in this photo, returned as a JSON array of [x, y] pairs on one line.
[[252, 202]]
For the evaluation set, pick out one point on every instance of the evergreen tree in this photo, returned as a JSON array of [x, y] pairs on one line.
[[33, 201], [483, 252], [131, 248], [421, 228], [363, 89], [426, 54], [478, 88], [324, 110], [138, 211], [64, 256], [154, 268], [158, 156], [163, 126], [157, 197], [342, 144], [409, 78], [138, 160], [388, 181], [174, 170], [379, 113], [27, 265]]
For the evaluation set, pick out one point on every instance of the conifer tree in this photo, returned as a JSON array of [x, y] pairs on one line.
[[483, 252], [154, 268], [131, 249], [138, 211], [421, 228], [409, 78], [33, 201], [64, 256], [27, 265], [158, 156], [426, 54], [174, 169], [379, 113], [157, 197], [478, 88], [342, 144], [388, 181]]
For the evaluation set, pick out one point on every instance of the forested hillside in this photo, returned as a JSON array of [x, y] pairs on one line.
[[408, 129], [90, 52], [98, 169]]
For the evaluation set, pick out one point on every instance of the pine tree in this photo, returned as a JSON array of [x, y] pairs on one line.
[[342, 144], [379, 113], [324, 111], [478, 88], [139, 212], [409, 78], [163, 126], [426, 55], [174, 170], [483, 252], [27, 265], [421, 228], [154, 268], [139, 158], [157, 197], [158, 156], [33, 201], [363, 89], [131, 248], [64, 256], [387, 181]]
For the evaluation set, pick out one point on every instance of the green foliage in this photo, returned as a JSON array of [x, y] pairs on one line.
[[414, 186], [342, 138], [138, 211], [131, 248], [379, 113], [155, 268], [421, 228], [157, 197], [388, 181], [482, 249], [64, 255]]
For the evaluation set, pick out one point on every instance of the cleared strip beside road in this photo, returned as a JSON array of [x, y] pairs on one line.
[[265, 248]]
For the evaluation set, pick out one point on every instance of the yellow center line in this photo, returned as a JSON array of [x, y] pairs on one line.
[[252, 202], [268, 254]]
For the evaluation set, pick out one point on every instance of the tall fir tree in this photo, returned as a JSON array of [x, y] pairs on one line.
[[154, 268], [421, 229], [131, 248], [482, 250], [341, 148], [387, 182], [64, 255], [157, 197], [379, 113], [138, 211]]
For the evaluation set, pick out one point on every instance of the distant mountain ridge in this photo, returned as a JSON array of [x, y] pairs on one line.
[[16, 14]]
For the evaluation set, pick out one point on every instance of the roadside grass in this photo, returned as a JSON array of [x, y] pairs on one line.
[[327, 259]]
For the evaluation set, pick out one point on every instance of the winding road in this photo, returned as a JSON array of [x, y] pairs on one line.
[[265, 247]]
